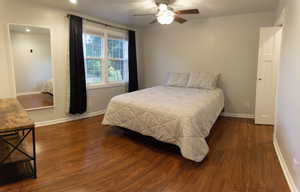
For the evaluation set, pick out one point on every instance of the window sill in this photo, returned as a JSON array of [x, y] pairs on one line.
[[105, 85]]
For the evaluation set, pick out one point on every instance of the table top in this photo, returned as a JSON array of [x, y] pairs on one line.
[[13, 116]]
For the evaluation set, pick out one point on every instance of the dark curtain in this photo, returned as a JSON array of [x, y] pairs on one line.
[[132, 63], [78, 98]]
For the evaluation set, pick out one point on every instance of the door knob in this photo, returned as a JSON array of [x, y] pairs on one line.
[[259, 79]]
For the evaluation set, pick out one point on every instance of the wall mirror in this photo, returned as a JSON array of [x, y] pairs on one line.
[[32, 66]]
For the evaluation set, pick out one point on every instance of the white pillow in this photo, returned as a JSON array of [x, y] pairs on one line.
[[203, 80], [177, 79]]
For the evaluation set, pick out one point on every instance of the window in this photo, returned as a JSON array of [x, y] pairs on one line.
[[117, 59], [93, 53], [106, 58]]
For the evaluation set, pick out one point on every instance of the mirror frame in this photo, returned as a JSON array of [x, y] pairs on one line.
[[12, 65]]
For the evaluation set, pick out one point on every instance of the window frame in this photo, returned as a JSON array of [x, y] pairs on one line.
[[102, 58], [125, 60], [106, 34]]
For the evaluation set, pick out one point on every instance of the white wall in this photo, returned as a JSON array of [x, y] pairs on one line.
[[5, 90], [228, 45], [32, 70], [24, 12], [288, 115]]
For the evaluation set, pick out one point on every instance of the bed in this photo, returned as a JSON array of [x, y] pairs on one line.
[[177, 115], [48, 87]]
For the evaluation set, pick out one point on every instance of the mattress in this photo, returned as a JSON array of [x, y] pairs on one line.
[[180, 116]]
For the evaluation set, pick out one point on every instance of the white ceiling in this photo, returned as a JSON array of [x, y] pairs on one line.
[[33, 30], [121, 11]]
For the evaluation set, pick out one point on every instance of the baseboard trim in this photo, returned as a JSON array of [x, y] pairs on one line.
[[238, 115], [29, 93], [70, 118], [284, 167], [101, 112]]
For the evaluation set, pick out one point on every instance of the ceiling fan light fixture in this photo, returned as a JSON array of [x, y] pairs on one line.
[[163, 7], [73, 1], [165, 17]]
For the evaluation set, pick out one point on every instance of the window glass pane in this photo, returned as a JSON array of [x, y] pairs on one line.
[[115, 70], [93, 71], [116, 48], [93, 46]]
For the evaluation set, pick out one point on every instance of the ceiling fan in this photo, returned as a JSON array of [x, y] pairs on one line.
[[166, 14]]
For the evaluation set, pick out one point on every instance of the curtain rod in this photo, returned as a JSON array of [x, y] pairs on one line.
[[101, 23]]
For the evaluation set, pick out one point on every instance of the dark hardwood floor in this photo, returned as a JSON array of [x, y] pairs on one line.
[[84, 156], [35, 100]]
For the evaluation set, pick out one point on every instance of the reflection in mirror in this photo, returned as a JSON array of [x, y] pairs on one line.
[[31, 52]]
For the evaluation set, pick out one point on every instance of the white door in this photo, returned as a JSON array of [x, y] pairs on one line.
[[267, 74]]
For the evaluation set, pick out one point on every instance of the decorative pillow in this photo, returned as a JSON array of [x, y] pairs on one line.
[[203, 80], [177, 79]]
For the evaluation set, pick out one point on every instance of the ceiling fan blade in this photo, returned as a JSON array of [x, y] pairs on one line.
[[180, 19], [147, 14], [187, 11], [153, 22]]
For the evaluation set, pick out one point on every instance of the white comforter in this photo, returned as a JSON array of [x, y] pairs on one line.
[[180, 116]]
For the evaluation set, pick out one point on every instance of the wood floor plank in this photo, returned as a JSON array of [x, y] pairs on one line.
[[84, 156]]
